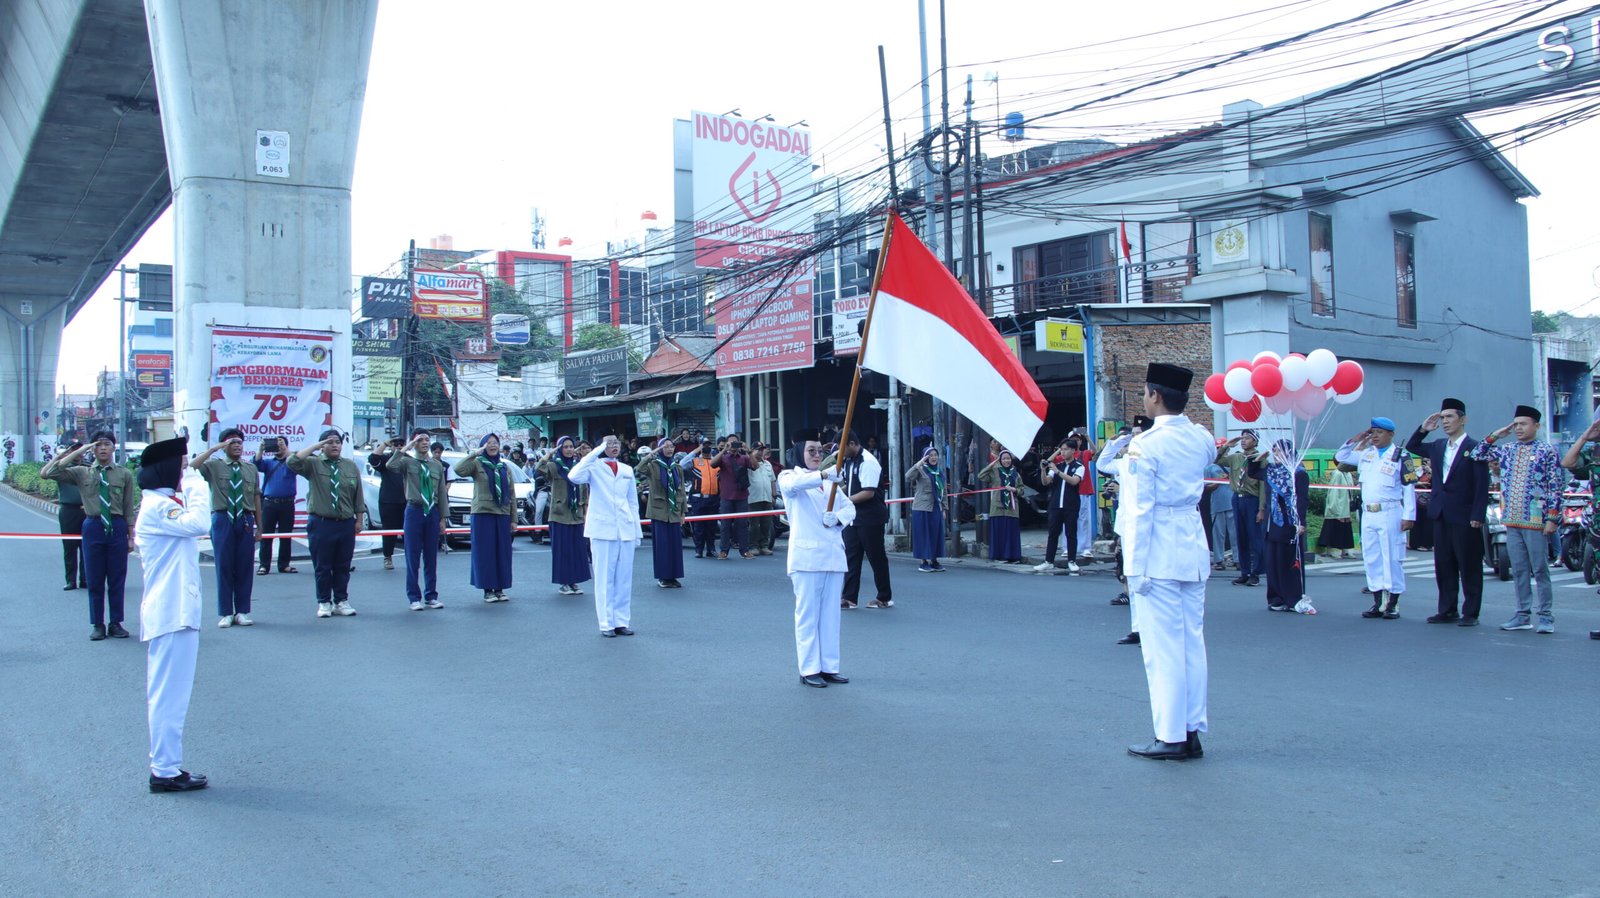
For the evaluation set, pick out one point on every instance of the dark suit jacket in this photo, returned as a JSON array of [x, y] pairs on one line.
[[1463, 497]]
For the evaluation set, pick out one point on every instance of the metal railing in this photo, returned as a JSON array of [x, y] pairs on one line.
[[1161, 280]]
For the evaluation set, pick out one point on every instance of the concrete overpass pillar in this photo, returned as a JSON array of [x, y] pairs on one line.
[[30, 341], [252, 249]]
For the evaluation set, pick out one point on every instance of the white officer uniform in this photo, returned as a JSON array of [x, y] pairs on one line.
[[1111, 459], [612, 526], [1385, 503], [816, 566], [168, 535], [1165, 558]]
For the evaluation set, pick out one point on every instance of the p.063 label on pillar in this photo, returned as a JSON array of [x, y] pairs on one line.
[[272, 153]]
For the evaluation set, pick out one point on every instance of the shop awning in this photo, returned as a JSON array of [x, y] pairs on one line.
[[669, 389]]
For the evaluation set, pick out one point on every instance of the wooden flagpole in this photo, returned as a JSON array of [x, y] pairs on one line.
[[861, 351]]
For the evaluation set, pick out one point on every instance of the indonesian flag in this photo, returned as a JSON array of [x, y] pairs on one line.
[[925, 330], [1127, 248]]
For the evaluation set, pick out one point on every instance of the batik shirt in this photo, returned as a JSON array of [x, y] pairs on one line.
[[1530, 481]]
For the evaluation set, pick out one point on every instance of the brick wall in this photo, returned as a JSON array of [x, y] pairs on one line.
[[1123, 352]]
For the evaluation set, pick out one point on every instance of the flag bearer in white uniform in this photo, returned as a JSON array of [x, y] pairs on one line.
[[1389, 508], [169, 531], [1167, 561], [817, 563], [612, 527]]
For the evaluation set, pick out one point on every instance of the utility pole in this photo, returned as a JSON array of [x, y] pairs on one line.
[[122, 360], [408, 364]]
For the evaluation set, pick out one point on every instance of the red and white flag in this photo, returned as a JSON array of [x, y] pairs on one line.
[[927, 331]]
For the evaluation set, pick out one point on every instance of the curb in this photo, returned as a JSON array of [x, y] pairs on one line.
[[21, 498]]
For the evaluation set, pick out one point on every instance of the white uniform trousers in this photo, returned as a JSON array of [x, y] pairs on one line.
[[613, 581], [1383, 549], [168, 682], [1171, 621], [816, 620], [1086, 511]]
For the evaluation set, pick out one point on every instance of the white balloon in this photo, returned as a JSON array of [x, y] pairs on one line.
[[1294, 374], [1320, 366], [1217, 406], [1237, 383], [1267, 354], [1350, 397]]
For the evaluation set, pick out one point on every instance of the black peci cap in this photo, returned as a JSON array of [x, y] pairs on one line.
[[1527, 411], [1453, 405], [1173, 377]]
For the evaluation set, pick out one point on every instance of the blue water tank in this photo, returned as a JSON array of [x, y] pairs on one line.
[[1014, 126]]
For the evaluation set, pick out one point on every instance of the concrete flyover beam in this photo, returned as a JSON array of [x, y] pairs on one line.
[[82, 176], [253, 249]]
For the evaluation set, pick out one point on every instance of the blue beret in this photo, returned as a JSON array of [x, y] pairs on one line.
[[1383, 424]]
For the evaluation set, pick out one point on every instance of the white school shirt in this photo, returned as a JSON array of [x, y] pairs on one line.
[[613, 498], [168, 538]]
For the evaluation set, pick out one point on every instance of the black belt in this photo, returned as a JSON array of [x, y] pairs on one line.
[[335, 520], [70, 504], [278, 499]]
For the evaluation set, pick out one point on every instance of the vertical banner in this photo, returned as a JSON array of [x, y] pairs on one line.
[[271, 383], [764, 322]]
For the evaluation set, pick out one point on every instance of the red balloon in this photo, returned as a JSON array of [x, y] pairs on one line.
[[1239, 364], [1294, 355], [1267, 380], [1264, 362], [1347, 378], [1216, 392], [1247, 412]]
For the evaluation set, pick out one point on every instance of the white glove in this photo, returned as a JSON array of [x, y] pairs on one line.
[[1141, 586], [829, 519], [833, 475]]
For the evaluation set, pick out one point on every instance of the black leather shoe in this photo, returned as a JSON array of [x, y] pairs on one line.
[[1193, 745], [1594, 634], [833, 677], [115, 631], [1376, 611], [1130, 639], [1241, 580], [1467, 622], [1253, 581], [1443, 618], [183, 782], [69, 587], [98, 633], [814, 680], [1279, 608], [1161, 751], [623, 631], [609, 634]]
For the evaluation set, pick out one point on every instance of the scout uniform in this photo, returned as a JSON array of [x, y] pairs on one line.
[[493, 506], [927, 513], [1387, 500], [235, 498], [425, 490], [110, 501], [669, 499], [335, 504], [569, 552], [1005, 528]]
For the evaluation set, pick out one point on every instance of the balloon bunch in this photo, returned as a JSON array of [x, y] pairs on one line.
[[1295, 384]]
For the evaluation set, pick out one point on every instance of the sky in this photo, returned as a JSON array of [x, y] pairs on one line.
[[571, 107]]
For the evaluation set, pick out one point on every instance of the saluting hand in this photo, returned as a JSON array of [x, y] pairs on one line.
[[1431, 424]]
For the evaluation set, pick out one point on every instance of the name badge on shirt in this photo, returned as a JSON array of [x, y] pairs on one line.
[[1388, 469]]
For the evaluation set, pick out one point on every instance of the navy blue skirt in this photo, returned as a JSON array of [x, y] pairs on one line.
[[569, 554], [927, 534], [666, 547], [491, 551], [1005, 539]]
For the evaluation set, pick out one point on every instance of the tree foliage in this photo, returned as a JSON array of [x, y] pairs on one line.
[[1545, 323]]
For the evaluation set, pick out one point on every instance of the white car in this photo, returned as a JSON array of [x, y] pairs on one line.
[[460, 495]]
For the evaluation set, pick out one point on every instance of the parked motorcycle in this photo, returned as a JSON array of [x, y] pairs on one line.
[[1572, 534], [1591, 546], [1494, 541]]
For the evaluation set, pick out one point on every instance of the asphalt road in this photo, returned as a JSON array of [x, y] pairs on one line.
[[509, 750]]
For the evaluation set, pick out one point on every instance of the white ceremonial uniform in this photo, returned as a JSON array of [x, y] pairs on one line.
[[169, 615], [1111, 459], [1167, 562], [816, 566], [1385, 503], [612, 526]]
